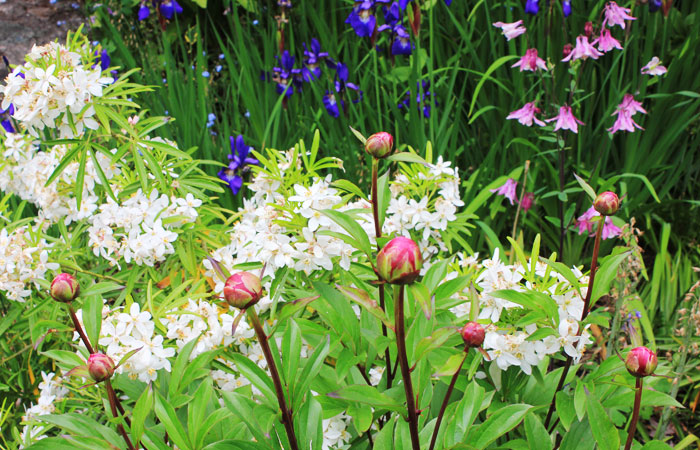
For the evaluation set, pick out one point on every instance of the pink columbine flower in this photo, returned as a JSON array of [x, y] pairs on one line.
[[583, 49], [585, 224], [530, 61], [654, 67], [507, 190], [528, 201], [566, 120], [526, 115], [616, 15], [511, 30], [625, 111], [606, 42]]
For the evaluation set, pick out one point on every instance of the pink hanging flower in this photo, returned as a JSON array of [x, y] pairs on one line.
[[616, 15], [625, 111], [507, 190], [609, 229], [606, 42], [526, 115], [654, 67], [566, 120], [585, 224], [583, 50], [511, 30], [528, 201], [530, 61]]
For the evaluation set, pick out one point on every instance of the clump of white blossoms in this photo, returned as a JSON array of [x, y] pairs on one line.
[[140, 229], [123, 331], [335, 434], [51, 392], [26, 170], [24, 259], [55, 89], [507, 344], [269, 227]]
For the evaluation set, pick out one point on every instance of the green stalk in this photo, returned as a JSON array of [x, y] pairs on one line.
[[405, 370], [79, 329], [286, 412]]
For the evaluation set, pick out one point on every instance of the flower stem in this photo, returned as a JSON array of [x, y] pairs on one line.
[[405, 370], [586, 307], [79, 329], [378, 234], [286, 412], [444, 403], [520, 201], [635, 414], [112, 396]]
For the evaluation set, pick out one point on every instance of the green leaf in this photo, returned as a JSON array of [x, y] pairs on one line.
[[383, 197], [500, 422], [487, 75], [657, 445], [602, 427], [309, 422], [451, 287], [434, 341], [358, 135], [68, 359], [452, 365], [256, 376], [143, 407], [83, 425], [419, 293], [532, 300], [409, 158], [586, 187], [537, 436], [352, 228], [98, 289], [178, 368], [367, 395], [580, 400], [605, 275], [244, 408], [435, 274], [166, 414], [361, 416], [291, 352], [363, 299], [92, 318], [565, 409]]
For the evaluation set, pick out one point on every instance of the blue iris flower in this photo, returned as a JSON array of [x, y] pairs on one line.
[[566, 7], [7, 123], [169, 8], [286, 75], [144, 12], [421, 98], [238, 164], [340, 86], [532, 6], [362, 17], [654, 5], [312, 61]]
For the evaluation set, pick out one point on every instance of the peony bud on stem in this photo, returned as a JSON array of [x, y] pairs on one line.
[[379, 145], [607, 203], [400, 261], [100, 366], [242, 290], [64, 288]]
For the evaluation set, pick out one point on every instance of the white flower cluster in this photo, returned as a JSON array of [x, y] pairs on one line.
[[507, 345], [51, 391], [54, 89], [141, 228], [335, 434], [25, 171], [122, 332], [261, 234], [23, 260]]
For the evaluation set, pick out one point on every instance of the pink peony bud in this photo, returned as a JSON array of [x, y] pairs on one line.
[[567, 50], [242, 290], [473, 334], [607, 203], [641, 362], [400, 261], [100, 366], [64, 288], [379, 145], [588, 29]]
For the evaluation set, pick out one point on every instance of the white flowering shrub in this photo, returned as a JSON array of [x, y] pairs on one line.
[[328, 349]]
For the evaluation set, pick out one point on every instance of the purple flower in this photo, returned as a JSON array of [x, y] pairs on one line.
[[7, 123], [362, 18], [170, 7], [341, 86], [421, 98], [312, 60], [566, 7], [565, 120], [526, 115], [507, 190], [238, 162], [532, 6], [286, 76], [585, 224], [654, 5], [144, 12]]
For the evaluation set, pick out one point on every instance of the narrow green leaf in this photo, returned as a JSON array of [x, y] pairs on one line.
[[586, 187], [500, 422], [166, 414], [352, 227], [602, 427], [409, 158]]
